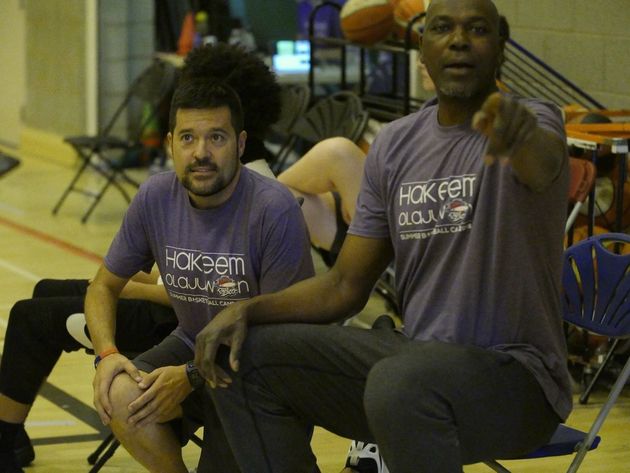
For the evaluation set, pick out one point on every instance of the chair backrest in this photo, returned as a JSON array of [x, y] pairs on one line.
[[295, 99], [149, 89], [340, 114], [596, 285]]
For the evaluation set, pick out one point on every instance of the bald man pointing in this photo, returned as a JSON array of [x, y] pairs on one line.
[[467, 196]]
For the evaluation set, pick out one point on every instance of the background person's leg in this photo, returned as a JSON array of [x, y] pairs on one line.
[[60, 288], [37, 333], [437, 406], [25, 364], [292, 377]]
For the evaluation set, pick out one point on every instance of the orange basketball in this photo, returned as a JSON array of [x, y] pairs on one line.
[[367, 21], [580, 233], [404, 11]]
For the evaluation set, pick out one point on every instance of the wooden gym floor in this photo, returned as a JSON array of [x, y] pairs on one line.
[[62, 424]]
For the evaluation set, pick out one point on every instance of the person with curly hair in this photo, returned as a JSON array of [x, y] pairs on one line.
[[254, 83]]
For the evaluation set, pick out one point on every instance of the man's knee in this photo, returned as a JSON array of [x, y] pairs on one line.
[[383, 389], [122, 392], [21, 319], [42, 326], [42, 289], [396, 384]]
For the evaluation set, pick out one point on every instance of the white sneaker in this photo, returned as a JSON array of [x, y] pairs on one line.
[[364, 458]]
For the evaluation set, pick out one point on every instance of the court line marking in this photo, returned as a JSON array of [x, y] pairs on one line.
[[20, 271], [50, 423], [45, 237], [11, 209]]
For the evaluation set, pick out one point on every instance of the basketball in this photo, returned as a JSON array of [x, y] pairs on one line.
[[367, 21], [405, 10]]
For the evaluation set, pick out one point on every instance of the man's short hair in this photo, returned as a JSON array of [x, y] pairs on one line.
[[201, 93]]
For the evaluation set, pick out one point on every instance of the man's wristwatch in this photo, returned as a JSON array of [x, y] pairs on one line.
[[194, 377]]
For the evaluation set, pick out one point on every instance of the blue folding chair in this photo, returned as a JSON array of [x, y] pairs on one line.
[[596, 297]]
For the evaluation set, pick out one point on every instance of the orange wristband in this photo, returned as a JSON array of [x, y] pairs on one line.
[[103, 354]]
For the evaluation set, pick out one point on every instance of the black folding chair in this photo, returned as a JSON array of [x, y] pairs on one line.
[[108, 447], [340, 114], [295, 100], [7, 163], [105, 152]]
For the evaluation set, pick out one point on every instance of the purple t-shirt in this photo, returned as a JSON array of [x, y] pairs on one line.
[[256, 242], [478, 254]]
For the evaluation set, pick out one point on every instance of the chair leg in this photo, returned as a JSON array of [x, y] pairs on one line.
[[587, 391], [97, 198], [496, 466], [283, 154], [601, 417], [111, 176], [99, 458], [70, 188]]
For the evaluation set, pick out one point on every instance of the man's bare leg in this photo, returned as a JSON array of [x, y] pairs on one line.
[[154, 446]]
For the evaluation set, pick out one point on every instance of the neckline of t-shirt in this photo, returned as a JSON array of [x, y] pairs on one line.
[[450, 130]]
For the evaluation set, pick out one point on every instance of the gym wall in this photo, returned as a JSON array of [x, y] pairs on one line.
[[585, 40]]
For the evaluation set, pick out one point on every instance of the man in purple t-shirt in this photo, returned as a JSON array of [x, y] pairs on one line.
[[479, 369], [218, 233]]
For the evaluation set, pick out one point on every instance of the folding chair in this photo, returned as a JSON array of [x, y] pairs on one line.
[[7, 163], [108, 447], [340, 114], [102, 152], [596, 285], [295, 100]]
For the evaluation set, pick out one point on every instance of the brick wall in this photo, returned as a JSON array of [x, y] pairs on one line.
[[588, 41]]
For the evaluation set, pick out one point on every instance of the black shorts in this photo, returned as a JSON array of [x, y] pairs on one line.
[[172, 351]]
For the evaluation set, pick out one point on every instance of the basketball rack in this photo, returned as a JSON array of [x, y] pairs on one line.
[[593, 136], [522, 73], [394, 104]]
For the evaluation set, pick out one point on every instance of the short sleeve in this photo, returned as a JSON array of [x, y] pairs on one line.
[[549, 116], [130, 251], [286, 252], [370, 219]]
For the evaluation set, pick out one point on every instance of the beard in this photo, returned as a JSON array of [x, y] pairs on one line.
[[458, 91], [209, 187]]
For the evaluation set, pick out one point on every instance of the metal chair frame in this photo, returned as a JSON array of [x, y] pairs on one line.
[[151, 87], [340, 114]]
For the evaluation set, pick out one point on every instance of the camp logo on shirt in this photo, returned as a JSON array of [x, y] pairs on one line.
[[216, 279], [226, 286], [456, 211], [434, 207]]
